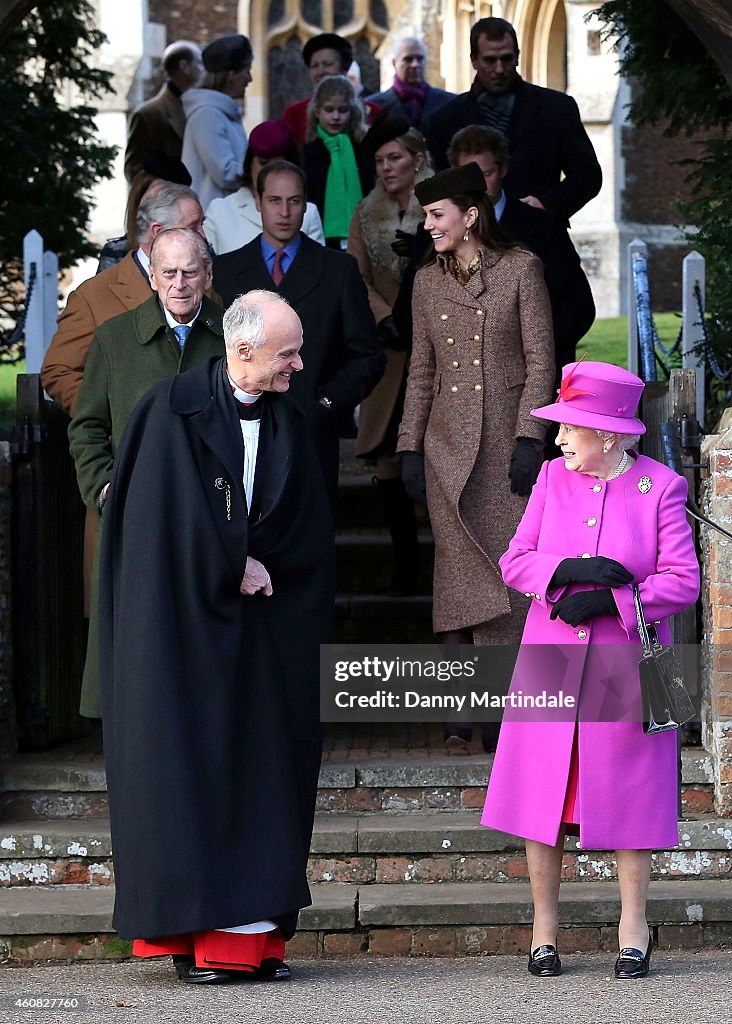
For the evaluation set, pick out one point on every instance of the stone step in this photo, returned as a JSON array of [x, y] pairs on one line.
[[56, 784], [365, 564], [380, 848], [74, 922]]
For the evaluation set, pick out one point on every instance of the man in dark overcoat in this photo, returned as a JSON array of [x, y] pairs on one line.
[[342, 352], [216, 592], [553, 162], [410, 95]]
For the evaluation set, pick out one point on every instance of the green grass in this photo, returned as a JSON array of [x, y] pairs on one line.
[[607, 341], [8, 373]]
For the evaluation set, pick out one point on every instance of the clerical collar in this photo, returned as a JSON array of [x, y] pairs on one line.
[[243, 396], [173, 323]]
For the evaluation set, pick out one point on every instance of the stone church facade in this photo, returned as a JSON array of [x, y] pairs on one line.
[[561, 47]]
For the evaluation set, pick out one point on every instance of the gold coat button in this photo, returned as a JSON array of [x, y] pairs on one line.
[[582, 635], [476, 362], [450, 341], [479, 312], [586, 554], [476, 337], [478, 387], [592, 521], [455, 363], [443, 316], [528, 595], [453, 388], [597, 488]]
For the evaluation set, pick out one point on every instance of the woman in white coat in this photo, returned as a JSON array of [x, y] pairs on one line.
[[214, 141], [234, 221]]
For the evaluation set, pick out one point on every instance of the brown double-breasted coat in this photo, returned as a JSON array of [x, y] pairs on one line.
[[482, 358]]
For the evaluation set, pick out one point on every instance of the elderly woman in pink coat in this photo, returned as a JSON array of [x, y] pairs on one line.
[[599, 520]]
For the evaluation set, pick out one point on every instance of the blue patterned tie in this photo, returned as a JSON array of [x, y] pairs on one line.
[[181, 332]]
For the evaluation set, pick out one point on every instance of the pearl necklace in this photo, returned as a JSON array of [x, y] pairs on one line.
[[620, 467]]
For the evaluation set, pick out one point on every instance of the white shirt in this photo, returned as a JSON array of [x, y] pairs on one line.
[[250, 434]]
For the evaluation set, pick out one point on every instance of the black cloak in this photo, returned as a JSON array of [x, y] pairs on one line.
[[210, 698]]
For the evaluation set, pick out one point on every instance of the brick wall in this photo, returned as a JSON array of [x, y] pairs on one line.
[[717, 611], [198, 20]]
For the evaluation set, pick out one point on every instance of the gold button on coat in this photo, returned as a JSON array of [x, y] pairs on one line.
[[592, 521], [586, 554], [455, 363], [597, 488], [453, 388], [476, 362], [582, 634], [450, 341], [443, 316], [478, 387], [476, 337]]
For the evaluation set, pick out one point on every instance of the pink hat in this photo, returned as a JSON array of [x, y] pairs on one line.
[[599, 395], [271, 139]]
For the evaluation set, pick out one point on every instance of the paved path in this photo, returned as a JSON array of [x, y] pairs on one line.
[[685, 988]]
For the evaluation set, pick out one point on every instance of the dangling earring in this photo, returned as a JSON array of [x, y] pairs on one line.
[[466, 236], [606, 448]]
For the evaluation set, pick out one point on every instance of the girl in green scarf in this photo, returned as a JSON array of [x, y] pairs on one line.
[[339, 172]]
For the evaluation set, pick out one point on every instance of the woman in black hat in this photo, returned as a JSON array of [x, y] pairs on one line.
[[400, 155], [482, 358], [214, 141]]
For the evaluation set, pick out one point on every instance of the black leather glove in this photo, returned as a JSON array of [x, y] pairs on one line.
[[413, 476], [577, 608], [389, 333], [605, 571], [526, 460], [403, 244]]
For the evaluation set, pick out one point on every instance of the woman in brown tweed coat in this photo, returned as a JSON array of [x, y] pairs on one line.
[[482, 358]]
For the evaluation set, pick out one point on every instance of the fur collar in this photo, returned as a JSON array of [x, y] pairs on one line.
[[379, 218]]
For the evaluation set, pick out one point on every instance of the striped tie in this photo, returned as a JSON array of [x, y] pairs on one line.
[[181, 332]]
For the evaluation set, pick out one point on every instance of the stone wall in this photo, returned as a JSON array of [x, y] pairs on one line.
[[7, 704], [717, 612]]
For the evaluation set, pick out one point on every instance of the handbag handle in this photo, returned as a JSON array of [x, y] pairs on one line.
[[648, 635]]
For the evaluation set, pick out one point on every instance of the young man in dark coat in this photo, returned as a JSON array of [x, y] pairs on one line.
[[342, 352], [553, 163], [216, 592]]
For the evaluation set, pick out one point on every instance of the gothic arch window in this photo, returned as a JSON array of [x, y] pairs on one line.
[[280, 28], [541, 26]]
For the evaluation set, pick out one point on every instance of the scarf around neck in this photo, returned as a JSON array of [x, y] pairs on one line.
[[342, 187]]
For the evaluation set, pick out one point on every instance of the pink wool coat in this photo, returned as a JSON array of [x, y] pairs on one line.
[[627, 790]]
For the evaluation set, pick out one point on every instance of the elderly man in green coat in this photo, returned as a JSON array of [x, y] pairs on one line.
[[176, 329]]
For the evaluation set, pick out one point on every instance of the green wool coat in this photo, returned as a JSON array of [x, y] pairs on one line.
[[129, 354]]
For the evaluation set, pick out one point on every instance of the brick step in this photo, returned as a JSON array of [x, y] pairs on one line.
[[74, 922], [365, 564], [380, 848], [56, 785]]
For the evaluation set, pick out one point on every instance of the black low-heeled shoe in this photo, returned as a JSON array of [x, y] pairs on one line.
[[185, 968], [544, 962], [631, 963]]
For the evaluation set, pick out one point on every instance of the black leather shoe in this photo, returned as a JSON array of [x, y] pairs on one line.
[[185, 967], [544, 962], [279, 971], [631, 963]]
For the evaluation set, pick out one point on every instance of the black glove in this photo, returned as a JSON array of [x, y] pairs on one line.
[[389, 333], [605, 571], [413, 476], [403, 244], [576, 608], [528, 455]]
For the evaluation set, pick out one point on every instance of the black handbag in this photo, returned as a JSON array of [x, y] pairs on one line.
[[666, 702]]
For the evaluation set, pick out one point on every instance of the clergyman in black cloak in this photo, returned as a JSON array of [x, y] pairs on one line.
[[213, 605]]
